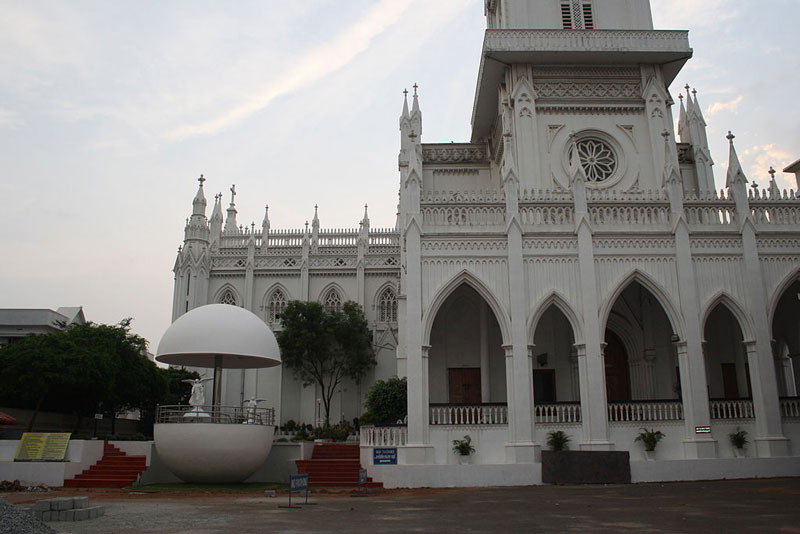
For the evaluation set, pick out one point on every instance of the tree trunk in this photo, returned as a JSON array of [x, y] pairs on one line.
[[35, 413], [113, 423]]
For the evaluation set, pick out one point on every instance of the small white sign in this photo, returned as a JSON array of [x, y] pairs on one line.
[[702, 430]]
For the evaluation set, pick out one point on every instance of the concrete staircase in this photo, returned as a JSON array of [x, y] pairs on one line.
[[334, 465], [115, 470]]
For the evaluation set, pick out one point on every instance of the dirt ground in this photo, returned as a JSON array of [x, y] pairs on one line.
[[763, 505]]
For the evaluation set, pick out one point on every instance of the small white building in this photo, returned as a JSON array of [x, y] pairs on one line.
[[16, 323], [571, 267]]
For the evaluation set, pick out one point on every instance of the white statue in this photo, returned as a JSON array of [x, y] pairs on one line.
[[198, 397], [251, 405]]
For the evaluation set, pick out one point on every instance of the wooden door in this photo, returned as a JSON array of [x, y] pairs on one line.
[[730, 383], [465, 385], [618, 383]]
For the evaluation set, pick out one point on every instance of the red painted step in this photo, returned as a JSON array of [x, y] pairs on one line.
[[334, 465], [115, 470]]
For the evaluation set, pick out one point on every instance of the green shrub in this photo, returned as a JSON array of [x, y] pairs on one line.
[[387, 402], [738, 438], [650, 438], [332, 432], [557, 440], [463, 446]]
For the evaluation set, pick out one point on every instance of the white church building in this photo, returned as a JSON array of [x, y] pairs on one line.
[[570, 267]]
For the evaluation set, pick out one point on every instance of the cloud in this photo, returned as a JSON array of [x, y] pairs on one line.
[[315, 65], [9, 118], [730, 105], [691, 13], [757, 160]]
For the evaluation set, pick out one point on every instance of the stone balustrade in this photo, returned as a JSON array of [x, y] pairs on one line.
[[383, 436], [559, 412], [645, 411], [790, 407], [472, 414], [731, 409]]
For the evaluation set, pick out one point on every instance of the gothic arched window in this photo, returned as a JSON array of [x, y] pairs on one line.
[[228, 298], [332, 300], [387, 306], [277, 303]]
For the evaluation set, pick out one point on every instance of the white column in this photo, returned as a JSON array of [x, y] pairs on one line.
[[484, 341]]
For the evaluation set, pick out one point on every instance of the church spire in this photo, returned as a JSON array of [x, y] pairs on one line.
[[199, 202], [230, 222], [265, 225], [683, 128], [215, 223], [735, 172]]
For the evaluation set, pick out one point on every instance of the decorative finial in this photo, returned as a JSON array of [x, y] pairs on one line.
[[252, 227], [415, 89], [665, 135], [680, 96], [754, 185], [687, 89], [201, 180], [771, 172], [694, 92], [233, 193], [730, 137], [405, 92]]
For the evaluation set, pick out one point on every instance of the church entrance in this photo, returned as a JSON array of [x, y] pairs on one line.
[[726, 357], [466, 361], [618, 382], [465, 386]]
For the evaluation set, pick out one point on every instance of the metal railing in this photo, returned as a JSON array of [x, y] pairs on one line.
[[222, 415], [384, 436]]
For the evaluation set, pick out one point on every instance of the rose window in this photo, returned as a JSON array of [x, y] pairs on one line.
[[597, 159]]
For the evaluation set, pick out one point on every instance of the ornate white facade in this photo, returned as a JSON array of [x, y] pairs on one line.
[[571, 267]]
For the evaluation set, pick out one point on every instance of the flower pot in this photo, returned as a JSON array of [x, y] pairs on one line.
[[650, 455], [464, 459], [739, 452]]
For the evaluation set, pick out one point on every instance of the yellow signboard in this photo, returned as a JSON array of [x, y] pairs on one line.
[[43, 447]]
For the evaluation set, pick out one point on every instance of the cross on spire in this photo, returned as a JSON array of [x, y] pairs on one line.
[[771, 172], [730, 137], [201, 180], [405, 92], [415, 89], [233, 194]]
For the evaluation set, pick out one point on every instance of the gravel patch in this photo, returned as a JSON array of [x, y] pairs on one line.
[[16, 521]]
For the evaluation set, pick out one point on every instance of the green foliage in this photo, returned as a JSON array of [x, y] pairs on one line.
[[557, 440], [650, 438], [323, 347], [79, 370], [738, 438], [333, 432], [178, 391], [463, 446], [387, 402]]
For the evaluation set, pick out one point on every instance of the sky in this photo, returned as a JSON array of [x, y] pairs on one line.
[[109, 111]]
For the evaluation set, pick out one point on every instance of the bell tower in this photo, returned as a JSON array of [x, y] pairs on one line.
[[590, 71]]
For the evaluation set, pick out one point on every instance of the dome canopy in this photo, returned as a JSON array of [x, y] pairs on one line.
[[242, 339]]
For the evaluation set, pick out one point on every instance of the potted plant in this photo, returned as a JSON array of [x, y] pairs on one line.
[[557, 440], [650, 439], [463, 447], [738, 440]]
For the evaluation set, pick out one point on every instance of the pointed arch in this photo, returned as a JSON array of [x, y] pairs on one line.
[[655, 289], [332, 296], [385, 303], [227, 294], [465, 277], [274, 302], [782, 287], [557, 300], [738, 312]]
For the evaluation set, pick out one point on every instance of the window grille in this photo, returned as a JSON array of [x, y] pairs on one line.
[[277, 303], [387, 308], [228, 298], [332, 301]]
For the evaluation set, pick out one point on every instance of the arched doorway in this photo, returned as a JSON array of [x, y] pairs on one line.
[[640, 360], [555, 363], [618, 382], [786, 340], [466, 360], [727, 369]]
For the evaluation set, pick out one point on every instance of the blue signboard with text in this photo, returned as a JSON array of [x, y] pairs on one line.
[[386, 456]]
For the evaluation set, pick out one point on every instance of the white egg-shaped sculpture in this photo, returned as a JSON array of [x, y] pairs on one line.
[[207, 443]]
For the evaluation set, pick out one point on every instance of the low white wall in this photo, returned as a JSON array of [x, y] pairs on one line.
[[489, 442], [451, 476], [81, 454], [681, 470]]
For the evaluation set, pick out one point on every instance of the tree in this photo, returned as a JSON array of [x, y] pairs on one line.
[[387, 402], [76, 370], [324, 346]]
